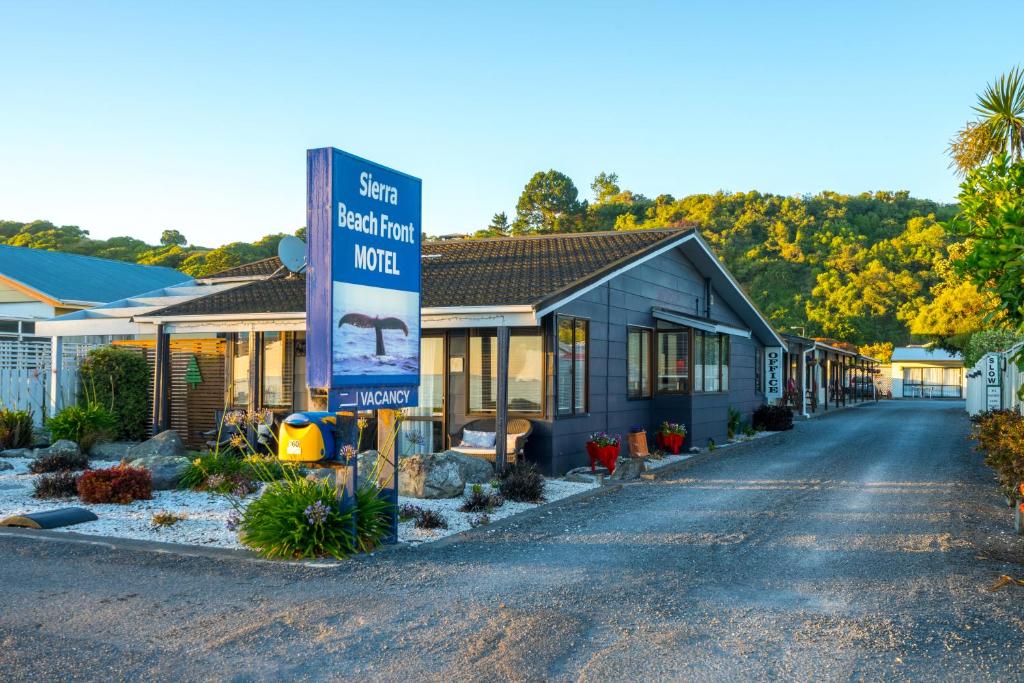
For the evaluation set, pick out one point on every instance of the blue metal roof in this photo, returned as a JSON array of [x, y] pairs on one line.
[[71, 278]]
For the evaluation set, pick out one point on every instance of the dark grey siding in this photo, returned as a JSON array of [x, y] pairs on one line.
[[668, 280]]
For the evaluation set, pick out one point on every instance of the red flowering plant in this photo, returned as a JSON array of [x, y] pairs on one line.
[[604, 439], [670, 436]]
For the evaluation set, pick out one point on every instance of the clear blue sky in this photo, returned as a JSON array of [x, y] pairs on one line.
[[128, 118]]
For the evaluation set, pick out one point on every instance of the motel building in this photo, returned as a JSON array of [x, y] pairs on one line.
[[588, 332]]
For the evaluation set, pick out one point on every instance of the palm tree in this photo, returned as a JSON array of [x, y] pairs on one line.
[[999, 128]]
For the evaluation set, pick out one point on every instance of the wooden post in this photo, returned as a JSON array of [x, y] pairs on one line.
[[387, 479], [161, 382], [56, 362], [501, 402]]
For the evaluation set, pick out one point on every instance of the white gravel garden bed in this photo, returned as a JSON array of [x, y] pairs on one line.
[[206, 514]]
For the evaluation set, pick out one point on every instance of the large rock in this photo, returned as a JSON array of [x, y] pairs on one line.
[[164, 443], [17, 453], [167, 470], [113, 450], [430, 476], [61, 447], [5, 466], [474, 470], [627, 469], [441, 475]]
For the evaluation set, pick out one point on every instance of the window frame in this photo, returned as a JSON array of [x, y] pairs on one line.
[[287, 341], [724, 359], [467, 372], [229, 355], [572, 411], [650, 364], [656, 382]]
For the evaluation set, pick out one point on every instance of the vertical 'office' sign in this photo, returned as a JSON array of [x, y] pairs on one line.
[[773, 373], [363, 224]]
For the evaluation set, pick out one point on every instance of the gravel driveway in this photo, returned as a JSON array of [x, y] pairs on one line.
[[857, 547]]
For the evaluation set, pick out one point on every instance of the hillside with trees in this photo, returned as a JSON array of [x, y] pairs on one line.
[[868, 268]]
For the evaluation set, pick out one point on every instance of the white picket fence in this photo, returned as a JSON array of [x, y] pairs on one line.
[[995, 381], [25, 375]]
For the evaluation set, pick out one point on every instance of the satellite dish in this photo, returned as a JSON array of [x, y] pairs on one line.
[[292, 252]]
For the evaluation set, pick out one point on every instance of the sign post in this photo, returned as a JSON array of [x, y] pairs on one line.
[[364, 230]]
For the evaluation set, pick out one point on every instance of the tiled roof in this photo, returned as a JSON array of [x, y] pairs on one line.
[[267, 266], [276, 295], [83, 279], [487, 272], [526, 270]]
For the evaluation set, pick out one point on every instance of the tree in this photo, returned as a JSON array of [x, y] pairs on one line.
[[992, 218], [499, 224], [999, 128], [986, 341], [605, 186], [549, 203], [880, 351], [172, 237]]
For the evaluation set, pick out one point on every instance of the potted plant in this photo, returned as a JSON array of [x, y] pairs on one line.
[[603, 448], [671, 436]]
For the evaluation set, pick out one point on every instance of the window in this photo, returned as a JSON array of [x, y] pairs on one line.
[[422, 430], [239, 368], [277, 370], [674, 360], [572, 365], [710, 362], [759, 369], [525, 372], [638, 360]]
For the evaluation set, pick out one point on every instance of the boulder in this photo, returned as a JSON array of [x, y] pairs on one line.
[[627, 469], [167, 470], [474, 470], [17, 453], [113, 450], [61, 447], [164, 443], [430, 476], [5, 466]]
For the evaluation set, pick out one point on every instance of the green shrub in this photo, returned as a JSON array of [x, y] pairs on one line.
[[298, 518], [373, 518], [58, 462], [478, 500], [61, 484], [86, 425], [119, 379], [773, 418], [523, 482], [224, 471], [15, 429], [735, 422], [121, 485], [1000, 435], [429, 519]]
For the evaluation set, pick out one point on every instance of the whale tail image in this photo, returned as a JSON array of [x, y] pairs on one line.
[[377, 323]]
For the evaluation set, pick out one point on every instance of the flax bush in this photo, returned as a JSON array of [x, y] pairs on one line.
[[15, 429]]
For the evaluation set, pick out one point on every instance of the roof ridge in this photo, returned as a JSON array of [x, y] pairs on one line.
[[556, 235]]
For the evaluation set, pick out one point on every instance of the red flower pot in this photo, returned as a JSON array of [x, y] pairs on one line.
[[606, 455], [673, 443]]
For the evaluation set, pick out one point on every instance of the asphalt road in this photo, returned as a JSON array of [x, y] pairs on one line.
[[857, 547]]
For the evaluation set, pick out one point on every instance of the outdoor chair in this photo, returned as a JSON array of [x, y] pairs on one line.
[[517, 431]]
